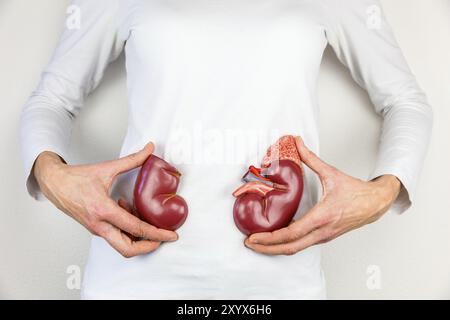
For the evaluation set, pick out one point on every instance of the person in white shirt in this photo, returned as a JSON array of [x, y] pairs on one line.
[[213, 75]]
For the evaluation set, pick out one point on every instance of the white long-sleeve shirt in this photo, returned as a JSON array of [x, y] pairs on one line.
[[214, 83]]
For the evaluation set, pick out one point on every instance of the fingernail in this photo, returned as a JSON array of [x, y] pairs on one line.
[[148, 145], [255, 241]]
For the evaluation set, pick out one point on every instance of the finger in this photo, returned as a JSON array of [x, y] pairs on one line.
[[312, 238], [133, 225], [292, 232], [131, 161], [126, 247], [311, 159], [126, 206]]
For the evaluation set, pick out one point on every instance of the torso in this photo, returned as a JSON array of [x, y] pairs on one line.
[[214, 83]]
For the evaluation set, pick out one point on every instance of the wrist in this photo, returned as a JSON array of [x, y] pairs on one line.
[[46, 164], [388, 188]]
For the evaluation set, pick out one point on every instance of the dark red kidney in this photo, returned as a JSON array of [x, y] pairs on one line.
[[155, 195], [255, 212]]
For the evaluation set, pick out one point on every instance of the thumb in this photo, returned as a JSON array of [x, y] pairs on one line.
[[131, 161], [311, 159]]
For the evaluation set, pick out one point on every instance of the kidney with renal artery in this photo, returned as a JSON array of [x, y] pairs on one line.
[[270, 195]]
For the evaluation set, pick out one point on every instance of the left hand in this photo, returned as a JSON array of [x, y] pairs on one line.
[[347, 203]]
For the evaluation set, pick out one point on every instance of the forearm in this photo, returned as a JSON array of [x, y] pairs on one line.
[[404, 141], [46, 125]]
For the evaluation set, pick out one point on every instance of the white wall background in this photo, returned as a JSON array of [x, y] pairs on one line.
[[412, 251]]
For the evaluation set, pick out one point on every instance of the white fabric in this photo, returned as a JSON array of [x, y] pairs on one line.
[[213, 83]]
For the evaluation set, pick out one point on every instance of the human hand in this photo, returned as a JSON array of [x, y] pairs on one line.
[[347, 203], [82, 192]]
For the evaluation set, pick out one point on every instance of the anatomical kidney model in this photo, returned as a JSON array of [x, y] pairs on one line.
[[155, 198], [270, 196]]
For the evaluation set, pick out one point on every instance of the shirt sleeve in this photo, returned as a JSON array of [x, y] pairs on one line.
[[89, 42], [364, 42]]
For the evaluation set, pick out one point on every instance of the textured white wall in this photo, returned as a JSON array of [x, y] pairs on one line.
[[412, 251]]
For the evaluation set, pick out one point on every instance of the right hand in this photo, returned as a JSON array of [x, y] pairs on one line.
[[82, 192]]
